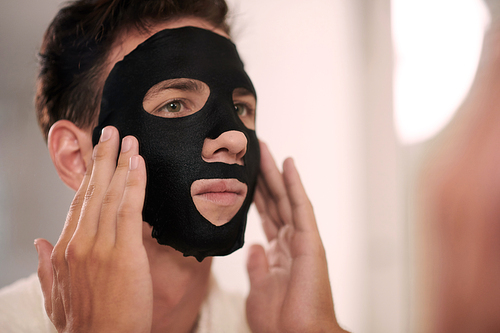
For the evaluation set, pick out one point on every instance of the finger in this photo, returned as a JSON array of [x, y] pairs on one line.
[[257, 265], [45, 271], [74, 210], [129, 216], [107, 223], [52, 264], [271, 205], [303, 214], [104, 155], [270, 228], [274, 183], [58, 257]]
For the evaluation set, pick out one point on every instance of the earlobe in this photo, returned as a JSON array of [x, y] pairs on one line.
[[70, 148]]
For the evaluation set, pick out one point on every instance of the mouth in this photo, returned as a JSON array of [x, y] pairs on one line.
[[221, 192], [218, 200]]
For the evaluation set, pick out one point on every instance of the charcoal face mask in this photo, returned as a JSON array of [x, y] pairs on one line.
[[172, 147]]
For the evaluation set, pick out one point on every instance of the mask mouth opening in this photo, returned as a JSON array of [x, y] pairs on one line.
[[218, 200]]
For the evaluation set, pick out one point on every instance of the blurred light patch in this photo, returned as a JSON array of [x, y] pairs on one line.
[[437, 46]]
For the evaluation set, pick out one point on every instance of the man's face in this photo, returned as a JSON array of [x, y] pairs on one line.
[[194, 111], [218, 200]]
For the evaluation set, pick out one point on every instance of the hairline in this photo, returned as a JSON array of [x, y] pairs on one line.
[[106, 65]]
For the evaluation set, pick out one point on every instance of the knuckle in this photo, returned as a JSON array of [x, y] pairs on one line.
[[110, 198], [122, 163], [57, 256], [124, 212], [76, 203], [90, 192], [131, 182], [320, 251], [100, 153], [74, 208], [73, 253], [304, 203], [309, 204]]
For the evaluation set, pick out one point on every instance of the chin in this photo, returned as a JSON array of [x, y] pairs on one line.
[[215, 212]]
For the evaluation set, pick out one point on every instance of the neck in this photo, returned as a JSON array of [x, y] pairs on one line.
[[180, 285]]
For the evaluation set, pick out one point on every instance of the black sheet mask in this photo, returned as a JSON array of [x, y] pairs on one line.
[[172, 147]]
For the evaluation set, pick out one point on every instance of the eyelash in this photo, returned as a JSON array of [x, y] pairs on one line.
[[161, 108], [249, 108]]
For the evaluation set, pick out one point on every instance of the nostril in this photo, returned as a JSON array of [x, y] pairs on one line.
[[221, 150], [229, 147]]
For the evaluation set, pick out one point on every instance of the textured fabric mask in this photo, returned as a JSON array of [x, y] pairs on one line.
[[172, 147]]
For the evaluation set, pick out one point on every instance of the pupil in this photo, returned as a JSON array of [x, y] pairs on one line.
[[239, 109], [173, 107]]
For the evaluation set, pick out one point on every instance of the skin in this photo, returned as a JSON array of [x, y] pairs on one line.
[[106, 273]]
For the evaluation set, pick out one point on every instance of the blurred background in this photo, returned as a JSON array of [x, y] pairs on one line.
[[357, 91]]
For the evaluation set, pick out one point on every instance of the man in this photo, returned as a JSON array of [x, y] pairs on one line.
[[106, 272]]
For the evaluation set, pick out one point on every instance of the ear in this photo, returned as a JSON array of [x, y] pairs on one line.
[[70, 148]]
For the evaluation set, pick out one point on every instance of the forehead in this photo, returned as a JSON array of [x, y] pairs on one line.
[[128, 40], [186, 52]]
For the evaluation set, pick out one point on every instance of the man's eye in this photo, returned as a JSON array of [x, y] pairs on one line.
[[241, 109], [174, 106]]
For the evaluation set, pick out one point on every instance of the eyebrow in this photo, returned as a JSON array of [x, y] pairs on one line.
[[178, 84], [239, 92]]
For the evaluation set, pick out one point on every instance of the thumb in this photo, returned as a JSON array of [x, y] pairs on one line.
[[257, 265], [45, 272]]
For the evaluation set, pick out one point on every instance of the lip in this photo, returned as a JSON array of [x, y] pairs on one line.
[[223, 192]]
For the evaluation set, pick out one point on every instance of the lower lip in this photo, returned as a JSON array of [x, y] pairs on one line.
[[220, 198]]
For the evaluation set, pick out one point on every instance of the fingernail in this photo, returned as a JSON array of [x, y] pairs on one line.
[[134, 162], [105, 134], [126, 144]]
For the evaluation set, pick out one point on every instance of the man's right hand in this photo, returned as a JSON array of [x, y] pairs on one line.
[[97, 277]]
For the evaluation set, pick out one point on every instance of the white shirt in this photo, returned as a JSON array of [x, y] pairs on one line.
[[22, 310]]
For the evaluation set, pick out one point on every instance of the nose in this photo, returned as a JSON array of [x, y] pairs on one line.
[[229, 147]]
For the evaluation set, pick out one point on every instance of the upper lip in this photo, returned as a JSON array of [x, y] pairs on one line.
[[202, 186]]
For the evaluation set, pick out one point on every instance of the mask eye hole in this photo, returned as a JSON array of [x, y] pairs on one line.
[[245, 106], [176, 98]]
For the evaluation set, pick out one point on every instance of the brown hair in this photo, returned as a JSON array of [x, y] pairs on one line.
[[78, 41]]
